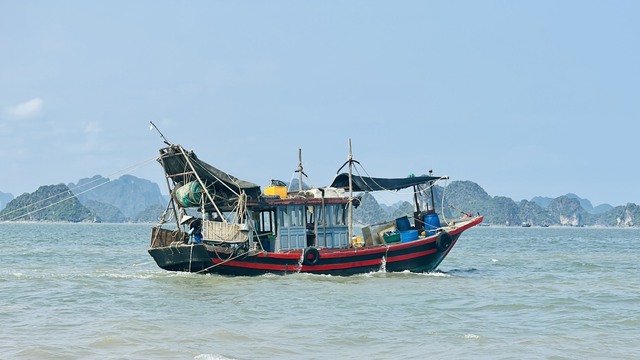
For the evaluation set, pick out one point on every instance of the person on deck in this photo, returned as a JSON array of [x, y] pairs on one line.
[[195, 228]]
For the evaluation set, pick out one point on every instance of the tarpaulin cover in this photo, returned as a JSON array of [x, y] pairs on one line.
[[224, 187], [363, 183]]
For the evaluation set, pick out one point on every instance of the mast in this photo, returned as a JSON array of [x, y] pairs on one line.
[[350, 193], [300, 169], [350, 161]]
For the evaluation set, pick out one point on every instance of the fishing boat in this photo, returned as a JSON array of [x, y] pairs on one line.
[[217, 223]]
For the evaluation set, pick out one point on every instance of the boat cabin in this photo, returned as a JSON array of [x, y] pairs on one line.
[[297, 223]]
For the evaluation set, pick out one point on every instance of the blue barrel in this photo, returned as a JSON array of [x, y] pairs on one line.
[[431, 223], [403, 224], [408, 235]]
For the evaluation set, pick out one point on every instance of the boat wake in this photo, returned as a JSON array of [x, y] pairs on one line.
[[462, 272], [405, 274]]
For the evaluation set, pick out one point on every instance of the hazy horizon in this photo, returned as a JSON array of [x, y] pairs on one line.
[[386, 197], [524, 98]]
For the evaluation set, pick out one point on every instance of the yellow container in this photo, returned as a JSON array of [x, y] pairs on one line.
[[357, 242], [281, 191]]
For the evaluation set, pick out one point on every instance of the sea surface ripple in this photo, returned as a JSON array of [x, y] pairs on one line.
[[91, 291]]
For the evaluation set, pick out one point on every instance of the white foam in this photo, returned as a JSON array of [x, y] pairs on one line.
[[212, 357]]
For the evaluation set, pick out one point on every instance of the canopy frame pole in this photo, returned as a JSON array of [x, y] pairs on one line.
[[433, 200], [173, 204], [206, 191]]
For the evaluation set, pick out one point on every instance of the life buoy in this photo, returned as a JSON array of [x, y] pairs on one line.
[[311, 256], [241, 252], [444, 241]]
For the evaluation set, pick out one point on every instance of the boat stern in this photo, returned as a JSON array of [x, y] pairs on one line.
[[171, 252], [189, 258]]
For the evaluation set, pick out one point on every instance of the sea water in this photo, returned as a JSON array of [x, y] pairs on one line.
[[91, 291]]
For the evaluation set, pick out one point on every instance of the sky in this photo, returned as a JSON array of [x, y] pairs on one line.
[[524, 98]]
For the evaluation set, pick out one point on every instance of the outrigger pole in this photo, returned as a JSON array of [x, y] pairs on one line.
[[166, 178], [158, 130]]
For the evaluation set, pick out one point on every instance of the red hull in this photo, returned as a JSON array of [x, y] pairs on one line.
[[422, 255]]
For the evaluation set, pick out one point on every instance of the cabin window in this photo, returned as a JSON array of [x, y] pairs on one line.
[[311, 219], [331, 229], [323, 215], [297, 216], [333, 216], [283, 215], [329, 215], [339, 215], [265, 222], [292, 216], [292, 220]]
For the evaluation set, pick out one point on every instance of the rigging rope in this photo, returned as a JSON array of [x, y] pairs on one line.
[[223, 260], [123, 171], [310, 185], [443, 215], [423, 189]]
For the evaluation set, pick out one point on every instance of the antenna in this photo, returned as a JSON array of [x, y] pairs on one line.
[[153, 126]]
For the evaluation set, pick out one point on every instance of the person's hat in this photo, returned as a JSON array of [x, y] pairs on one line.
[[185, 219]]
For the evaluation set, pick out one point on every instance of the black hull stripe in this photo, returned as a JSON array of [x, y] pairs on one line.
[[419, 255]]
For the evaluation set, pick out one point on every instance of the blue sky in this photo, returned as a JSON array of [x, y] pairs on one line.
[[536, 98]]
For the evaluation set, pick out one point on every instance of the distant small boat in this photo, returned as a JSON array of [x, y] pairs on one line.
[[526, 224], [243, 231]]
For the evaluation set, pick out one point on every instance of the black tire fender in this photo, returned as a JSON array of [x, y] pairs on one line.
[[240, 253], [444, 241], [310, 256]]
